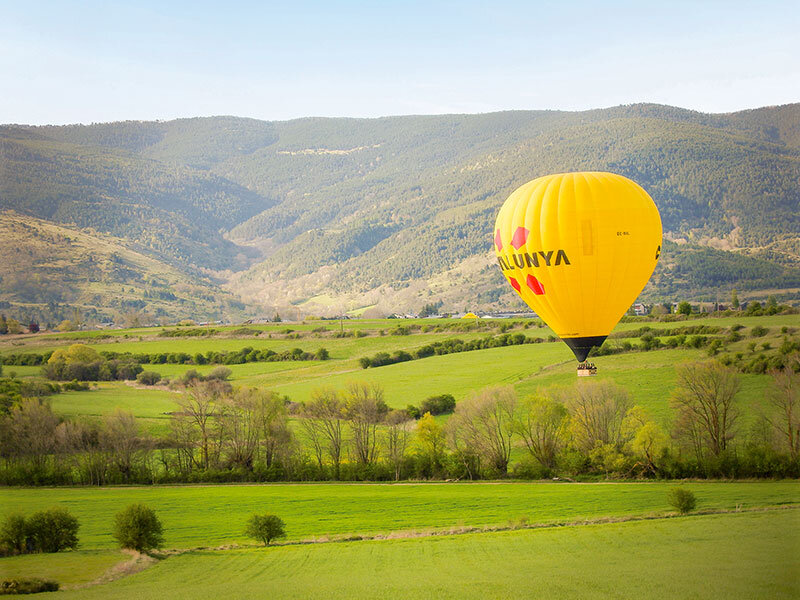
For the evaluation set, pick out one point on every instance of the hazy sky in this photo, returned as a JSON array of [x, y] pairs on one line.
[[69, 62]]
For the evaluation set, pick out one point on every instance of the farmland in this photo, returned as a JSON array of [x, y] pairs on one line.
[[648, 376], [754, 552], [732, 556], [216, 514], [424, 539]]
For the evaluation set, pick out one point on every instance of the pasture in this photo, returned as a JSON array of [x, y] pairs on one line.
[[216, 514], [720, 556], [649, 376]]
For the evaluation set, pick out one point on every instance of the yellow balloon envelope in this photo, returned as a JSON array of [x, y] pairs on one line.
[[579, 248]]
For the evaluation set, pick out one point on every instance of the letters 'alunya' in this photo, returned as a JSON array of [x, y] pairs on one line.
[[579, 248]]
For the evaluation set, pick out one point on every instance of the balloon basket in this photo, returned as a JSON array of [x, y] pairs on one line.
[[587, 370]]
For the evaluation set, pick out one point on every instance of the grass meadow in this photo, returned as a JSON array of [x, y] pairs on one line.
[[746, 555], [735, 555], [649, 377], [216, 514]]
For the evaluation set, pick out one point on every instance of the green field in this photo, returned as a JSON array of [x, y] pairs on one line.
[[67, 568], [747, 555], [213, 515], [648, 376]]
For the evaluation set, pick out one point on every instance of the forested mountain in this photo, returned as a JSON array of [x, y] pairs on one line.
[[398, 211]]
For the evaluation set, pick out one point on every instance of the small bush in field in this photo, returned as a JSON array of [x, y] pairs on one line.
[[52, 530], [681, 500], [148, 377], [138, 528], [265, 528], [27, 585]]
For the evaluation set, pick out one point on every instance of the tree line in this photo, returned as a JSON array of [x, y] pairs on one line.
[[591, 429]]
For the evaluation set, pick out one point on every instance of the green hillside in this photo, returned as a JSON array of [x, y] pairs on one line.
[[50, 272], [397, 212]]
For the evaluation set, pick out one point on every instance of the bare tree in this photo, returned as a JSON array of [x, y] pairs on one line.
[[120, 437], [485, 423], [784, 400], [398, 434], [273, 422], [322, 422], [196, 411], [459, 440], [80, 443], [542, 423], [365, 409], [242, 427], [596, 410], [29, 432], [704, 398], [253, 420]]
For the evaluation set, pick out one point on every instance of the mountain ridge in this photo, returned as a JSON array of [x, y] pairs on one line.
[[359, 209]]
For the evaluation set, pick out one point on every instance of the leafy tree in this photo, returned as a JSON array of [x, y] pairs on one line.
[[74, 354], [647, 439], [52, 530], [13, 326], [138, 528], [734, 299], [684, 308], [265, 528], [66, 325], [430, 442], [3, 325], [542, 423]]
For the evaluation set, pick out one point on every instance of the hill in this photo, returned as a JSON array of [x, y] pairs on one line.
[[396, 212], [68, 270]]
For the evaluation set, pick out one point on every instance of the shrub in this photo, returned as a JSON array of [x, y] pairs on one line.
[[148, 377], [75, 386], [221, 373], [27, 585], [265, 528], [681, 500], [13, 534], [137, 527], [191, 376], [438, 405], [52, 530]]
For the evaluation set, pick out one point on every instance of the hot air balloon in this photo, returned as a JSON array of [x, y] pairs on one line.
[[578, 248]]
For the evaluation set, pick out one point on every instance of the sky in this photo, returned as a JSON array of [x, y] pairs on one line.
[[84, 62]]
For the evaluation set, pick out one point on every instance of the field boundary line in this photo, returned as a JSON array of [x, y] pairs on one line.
[[518, 525]]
